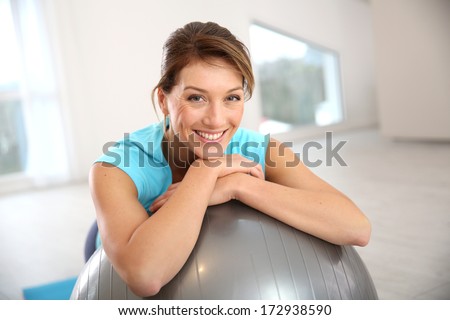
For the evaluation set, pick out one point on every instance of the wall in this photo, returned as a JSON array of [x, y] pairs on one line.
[[110, 52], [412, 44]]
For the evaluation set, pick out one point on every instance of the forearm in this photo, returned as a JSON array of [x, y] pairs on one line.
[[328, 215]]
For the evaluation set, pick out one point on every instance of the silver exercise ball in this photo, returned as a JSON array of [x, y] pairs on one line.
[[243, 254]]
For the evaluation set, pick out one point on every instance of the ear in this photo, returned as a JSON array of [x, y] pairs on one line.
[[162, 101]]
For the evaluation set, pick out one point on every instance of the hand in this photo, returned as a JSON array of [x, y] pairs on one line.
[[233, 163], [224, 191], [159, 202], [226, 188], [230, 168]]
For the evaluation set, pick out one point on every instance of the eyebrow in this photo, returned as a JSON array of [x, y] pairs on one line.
[[205, 91]]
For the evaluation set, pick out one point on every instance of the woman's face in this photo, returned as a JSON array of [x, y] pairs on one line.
[[205, 108]]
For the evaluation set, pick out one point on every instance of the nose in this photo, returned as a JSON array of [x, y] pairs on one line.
[[214, 115]]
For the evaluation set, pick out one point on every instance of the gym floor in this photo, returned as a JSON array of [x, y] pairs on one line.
[[402, 186]]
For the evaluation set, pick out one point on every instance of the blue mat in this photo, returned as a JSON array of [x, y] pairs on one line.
[[59, 290]]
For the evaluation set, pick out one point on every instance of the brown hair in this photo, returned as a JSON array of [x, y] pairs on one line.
[[197, 40]]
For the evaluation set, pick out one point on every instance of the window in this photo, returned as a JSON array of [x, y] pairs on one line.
[[299, 82], [32, 140], [12, 131]]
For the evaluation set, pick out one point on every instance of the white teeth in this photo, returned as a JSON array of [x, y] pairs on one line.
[[210, 136]]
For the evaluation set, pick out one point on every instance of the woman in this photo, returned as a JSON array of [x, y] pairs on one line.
[[151, 190]]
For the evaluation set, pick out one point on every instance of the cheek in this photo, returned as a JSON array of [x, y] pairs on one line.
[[237, 115], [181, 117]]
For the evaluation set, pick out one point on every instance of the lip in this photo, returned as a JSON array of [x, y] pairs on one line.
[[210, 133]]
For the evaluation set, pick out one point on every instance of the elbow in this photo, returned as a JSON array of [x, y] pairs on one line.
[[142, 285], [142, 277], [144, 289], [140, 281], [362, 240], [362, 237]]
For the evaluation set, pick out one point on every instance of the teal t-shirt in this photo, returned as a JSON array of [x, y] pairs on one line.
[[140, 156]]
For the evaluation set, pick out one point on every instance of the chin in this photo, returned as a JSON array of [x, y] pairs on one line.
[[211, 150]]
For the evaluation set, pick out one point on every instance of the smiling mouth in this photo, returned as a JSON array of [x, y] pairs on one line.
[[210, 136]]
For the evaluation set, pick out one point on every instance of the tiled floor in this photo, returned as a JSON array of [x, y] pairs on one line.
[[404, 188]]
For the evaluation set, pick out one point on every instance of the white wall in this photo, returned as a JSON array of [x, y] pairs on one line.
[[110, 53], [412, 41]]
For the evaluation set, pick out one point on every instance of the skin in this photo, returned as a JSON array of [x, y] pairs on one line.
[[207, 102]]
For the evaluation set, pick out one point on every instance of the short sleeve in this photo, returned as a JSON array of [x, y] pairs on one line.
[[250, 144], [139, 155]]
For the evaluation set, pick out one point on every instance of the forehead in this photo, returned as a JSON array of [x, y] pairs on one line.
[[212, 72]]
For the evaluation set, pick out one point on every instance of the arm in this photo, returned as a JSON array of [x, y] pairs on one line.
[[148, 252], [299, 198]]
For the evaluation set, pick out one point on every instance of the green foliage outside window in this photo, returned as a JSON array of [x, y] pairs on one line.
[[291, 90]]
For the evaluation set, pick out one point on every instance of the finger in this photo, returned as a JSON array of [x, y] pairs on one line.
[[170, 190], [157, 205], [159, 202], [173, 186], [257, 172], [253, 168], [232, 163]]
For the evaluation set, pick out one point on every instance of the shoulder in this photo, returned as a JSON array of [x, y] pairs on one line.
[[139, 155], [133, 146], [250, 144], [246, 138], [247, 135], [148, 138]]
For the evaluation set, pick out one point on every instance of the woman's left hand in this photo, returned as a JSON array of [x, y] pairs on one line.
[[225, 188]]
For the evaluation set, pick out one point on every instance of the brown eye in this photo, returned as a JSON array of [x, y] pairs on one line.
[[234, 98], [195, 98]]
